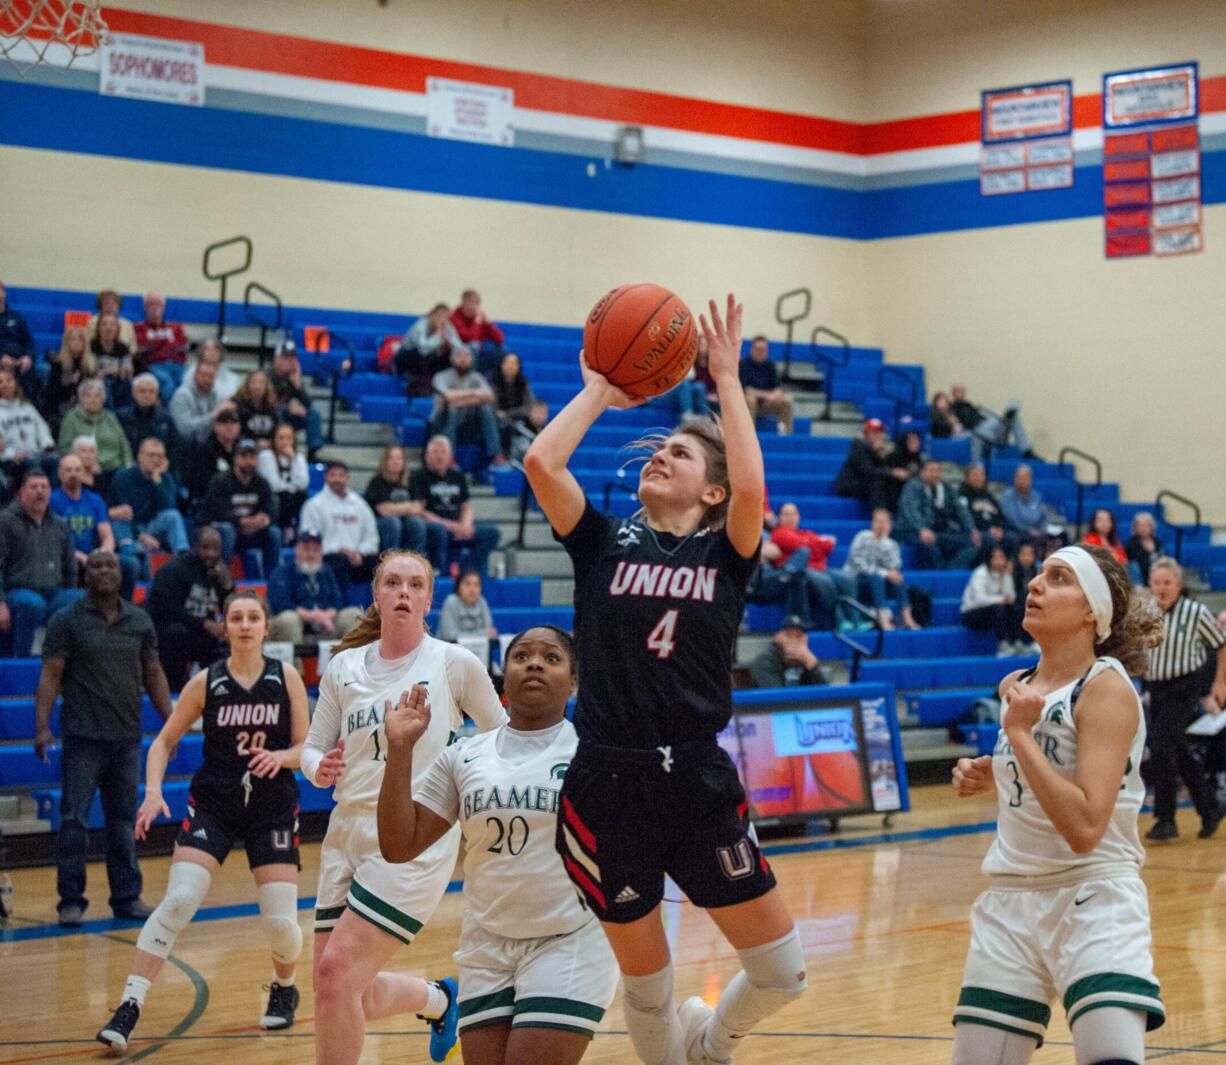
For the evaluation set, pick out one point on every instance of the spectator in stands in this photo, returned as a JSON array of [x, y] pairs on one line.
[[933, 518], [86, 449], [114, 361], [905, 460], [227, 381], [1102, 533], [146, 416], [702, 374], [284, 467], [397, 517], [1143, 545], [443, 490], [989, 602], [776, 581], [464, 402], [304, 599], [196, 403], [16, 340], [866, 474], [825, 586], [788, 660], [98, 653], [1024, 508], [66, 369], [515, 407], [143, 509], [87, 519], [990, 428], [985, 510], [24, 436], [293, 400], [257, 409], [91, 418], [161, 346], [427, 349], [465, 611], [185, 604], [875, 561], [108, 302], [239, 505], [481, 336], [38, 570], [213, 455], [763, 385], [943, 423], [347, 525]]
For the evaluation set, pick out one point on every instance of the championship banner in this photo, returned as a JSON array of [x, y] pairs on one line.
[[1151, 162], [1026, 137], [468, 112], [151, 68]]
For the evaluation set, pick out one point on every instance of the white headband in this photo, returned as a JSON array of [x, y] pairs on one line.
[[1093, 584]]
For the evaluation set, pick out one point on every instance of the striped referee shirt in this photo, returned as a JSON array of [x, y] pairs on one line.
[[1190, 633]]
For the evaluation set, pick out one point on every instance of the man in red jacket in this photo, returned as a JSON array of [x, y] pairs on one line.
[[825, 586], [482, 336], [161, 345]]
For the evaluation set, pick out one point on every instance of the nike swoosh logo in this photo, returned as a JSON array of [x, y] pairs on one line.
[[348, 682], [1078, 902], [467, 760]]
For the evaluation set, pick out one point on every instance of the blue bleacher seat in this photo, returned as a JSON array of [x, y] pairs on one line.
[[962, 672], [942, 707]]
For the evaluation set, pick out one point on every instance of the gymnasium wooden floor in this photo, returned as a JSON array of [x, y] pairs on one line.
[[883, 916]]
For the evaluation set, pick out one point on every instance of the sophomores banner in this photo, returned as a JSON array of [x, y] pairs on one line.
[[1026, 138], [150, 68], [1151, 162]]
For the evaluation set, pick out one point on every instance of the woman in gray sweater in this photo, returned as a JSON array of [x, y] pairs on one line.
[[875, 561], [465, 611]]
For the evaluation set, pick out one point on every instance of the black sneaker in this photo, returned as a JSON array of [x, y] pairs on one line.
[[1209, 825], [115, 1034], [1163, 830], [282, 1001]]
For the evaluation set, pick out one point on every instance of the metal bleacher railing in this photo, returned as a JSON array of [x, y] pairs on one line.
[[224, 275], [1067, 469], [1160, 499]]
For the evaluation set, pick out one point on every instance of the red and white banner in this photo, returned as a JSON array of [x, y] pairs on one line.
[[1152, 191], [1145, 97], [1025, 137], [151, 68]]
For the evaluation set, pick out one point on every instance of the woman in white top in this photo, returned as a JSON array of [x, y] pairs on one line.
[[989, 602], [367, 908], [1066, 913], [284, 467], [536, 972]]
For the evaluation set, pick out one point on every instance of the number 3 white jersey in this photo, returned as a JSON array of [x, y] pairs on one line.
[[504, 789], [1027, 844], [352, 703]]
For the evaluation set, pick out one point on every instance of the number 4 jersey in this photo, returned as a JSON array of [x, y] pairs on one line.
[[504, 789], [656, 618]]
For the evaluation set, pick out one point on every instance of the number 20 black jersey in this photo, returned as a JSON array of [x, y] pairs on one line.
[[656, 618]]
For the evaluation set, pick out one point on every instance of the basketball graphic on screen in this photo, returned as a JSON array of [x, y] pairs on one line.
[[642, 338]]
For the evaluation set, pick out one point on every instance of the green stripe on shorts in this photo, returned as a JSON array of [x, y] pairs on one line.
[[563, 1007], [998, 1009], [328, 913], [1115, 989], [481, 1003], [381, 914]]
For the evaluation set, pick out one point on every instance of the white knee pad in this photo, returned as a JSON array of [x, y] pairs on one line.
[[185, 891], [777, 967], [279, 920]]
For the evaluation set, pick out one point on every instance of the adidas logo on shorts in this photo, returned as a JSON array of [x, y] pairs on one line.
[[200, 833], [627, 894]]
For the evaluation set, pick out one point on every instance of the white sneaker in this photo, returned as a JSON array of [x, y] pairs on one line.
[[695, 1015]]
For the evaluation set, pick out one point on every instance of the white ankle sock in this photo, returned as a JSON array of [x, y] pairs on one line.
[[437, 1002], [135, 989], [283, 981]]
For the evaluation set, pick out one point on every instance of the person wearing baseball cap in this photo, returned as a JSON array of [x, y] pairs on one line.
[[788, 659], [304, 600], [240, 505], [866, 473]]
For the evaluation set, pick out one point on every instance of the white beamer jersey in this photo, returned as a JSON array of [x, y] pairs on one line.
[[504, 788], [353, 694]]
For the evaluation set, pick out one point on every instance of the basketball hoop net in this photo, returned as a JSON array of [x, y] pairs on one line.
[[51, 32]]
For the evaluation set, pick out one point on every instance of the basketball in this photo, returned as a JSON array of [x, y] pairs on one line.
[[641, 338]]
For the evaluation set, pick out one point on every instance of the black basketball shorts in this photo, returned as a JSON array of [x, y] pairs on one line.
[[268, 830], [630, 817]]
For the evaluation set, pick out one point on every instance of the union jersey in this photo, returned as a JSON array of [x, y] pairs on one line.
[[504, 789], [656, 618], [239, 721], [1027, 844]]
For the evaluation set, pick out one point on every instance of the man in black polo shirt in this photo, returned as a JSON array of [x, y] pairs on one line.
[[240, 506], [97, 652], [449, 514], [763, 385]]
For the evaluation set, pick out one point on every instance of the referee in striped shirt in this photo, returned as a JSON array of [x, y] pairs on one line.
[[1176, 682]]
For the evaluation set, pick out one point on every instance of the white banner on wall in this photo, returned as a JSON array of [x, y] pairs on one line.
[[467, 112], [1144, 97], [151, 68]]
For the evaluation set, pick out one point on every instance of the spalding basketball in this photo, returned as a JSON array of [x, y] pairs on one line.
[[641, 338]]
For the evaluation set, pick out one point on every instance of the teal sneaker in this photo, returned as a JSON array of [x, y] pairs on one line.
[[443, 1038]]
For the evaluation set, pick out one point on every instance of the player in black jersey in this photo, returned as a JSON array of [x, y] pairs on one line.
[[658, 598], [255, 719]]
